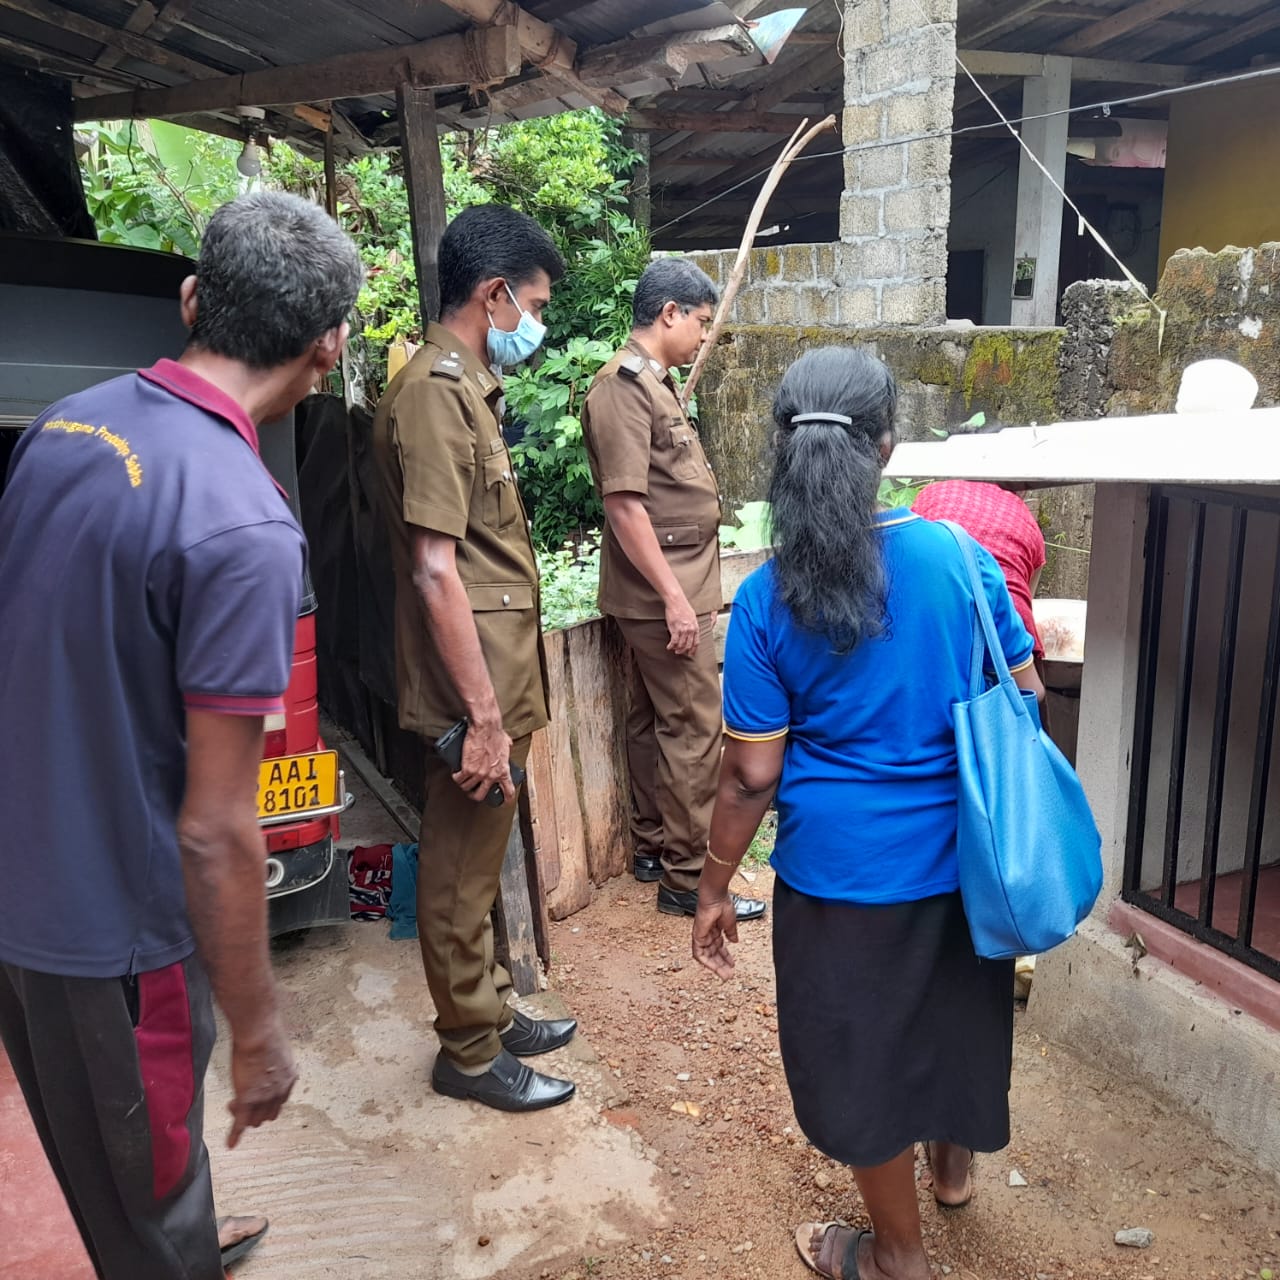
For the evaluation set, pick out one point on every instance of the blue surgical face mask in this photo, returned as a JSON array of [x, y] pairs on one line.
[[509, 347]]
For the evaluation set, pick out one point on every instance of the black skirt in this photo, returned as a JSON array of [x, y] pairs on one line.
[[893, 1031]]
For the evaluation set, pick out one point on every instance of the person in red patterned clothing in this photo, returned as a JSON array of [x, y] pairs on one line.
[[999, 520]]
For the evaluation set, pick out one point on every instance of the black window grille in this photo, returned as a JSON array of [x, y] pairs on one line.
[[1203, 847]]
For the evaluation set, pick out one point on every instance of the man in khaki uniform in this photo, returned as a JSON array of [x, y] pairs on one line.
[[660, 578], [469, 635]]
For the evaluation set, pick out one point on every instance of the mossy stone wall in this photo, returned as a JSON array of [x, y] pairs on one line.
[[1114, 358], [945, 376], [1224, 304]]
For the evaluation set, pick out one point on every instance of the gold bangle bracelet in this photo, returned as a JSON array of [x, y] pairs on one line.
[[721, 861]]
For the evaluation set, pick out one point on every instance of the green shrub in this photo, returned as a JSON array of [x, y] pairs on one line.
[[555, 476], [752, 532], [570, 583], [155, 184], [900, 493]]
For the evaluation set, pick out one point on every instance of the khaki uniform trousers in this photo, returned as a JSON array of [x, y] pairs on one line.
[[460, 857], [674, 731]]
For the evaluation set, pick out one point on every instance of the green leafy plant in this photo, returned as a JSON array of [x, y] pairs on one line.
[[555, 475], [760, 849], [752, 532], [899, 493], [570, 582], [154, 185]]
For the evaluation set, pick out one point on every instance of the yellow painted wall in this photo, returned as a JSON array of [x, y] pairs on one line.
[[1222, 183]]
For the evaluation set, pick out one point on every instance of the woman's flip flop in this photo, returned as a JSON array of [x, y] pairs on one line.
[[246, 1244], [830, 1252]]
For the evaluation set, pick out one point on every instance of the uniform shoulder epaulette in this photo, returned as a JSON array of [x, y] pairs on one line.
[[632, 366], [448, 365]]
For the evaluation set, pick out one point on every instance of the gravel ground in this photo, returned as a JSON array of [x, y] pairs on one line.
[[699, 1065]]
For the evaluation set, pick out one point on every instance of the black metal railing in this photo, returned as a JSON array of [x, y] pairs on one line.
[[1203, 847]]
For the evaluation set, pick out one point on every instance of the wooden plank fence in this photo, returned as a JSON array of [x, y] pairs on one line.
[[579, 795]]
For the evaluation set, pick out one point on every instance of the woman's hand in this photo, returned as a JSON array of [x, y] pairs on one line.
[[714, 926]]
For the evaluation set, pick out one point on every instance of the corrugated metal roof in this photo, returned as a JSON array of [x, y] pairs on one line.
[[689, 166], [225, 37], [1241, 448]]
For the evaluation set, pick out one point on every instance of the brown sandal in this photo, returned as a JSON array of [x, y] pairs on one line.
[[946, 1204], [830, 1255]]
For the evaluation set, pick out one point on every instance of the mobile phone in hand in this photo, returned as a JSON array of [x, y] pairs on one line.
[[449, 749]]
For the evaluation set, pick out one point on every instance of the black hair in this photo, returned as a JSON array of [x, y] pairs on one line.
[[274, 273], [670, 280], [823, 493], [488, 241]]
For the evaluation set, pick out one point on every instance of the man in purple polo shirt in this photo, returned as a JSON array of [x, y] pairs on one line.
[[150, 573]]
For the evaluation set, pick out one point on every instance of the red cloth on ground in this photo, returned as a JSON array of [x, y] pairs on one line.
[[1000, 521], [370, 878]]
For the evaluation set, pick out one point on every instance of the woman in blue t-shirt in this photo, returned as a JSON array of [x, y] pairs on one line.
[[844, 658]]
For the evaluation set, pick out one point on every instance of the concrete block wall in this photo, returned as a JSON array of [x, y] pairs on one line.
[[890, 266], [790, 284], [899, 85]]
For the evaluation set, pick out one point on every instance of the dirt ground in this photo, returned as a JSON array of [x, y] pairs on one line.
[[1098, 1154], [678, 1160]]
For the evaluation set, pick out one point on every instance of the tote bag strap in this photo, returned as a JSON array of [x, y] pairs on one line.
[[991, 639]]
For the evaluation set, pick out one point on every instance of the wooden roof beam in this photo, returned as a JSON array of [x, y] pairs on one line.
[[1105, 30], [548, 92], [485, 56], [542, 45], [664, 57]]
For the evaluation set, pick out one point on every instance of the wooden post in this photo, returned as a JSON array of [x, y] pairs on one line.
[[530, 833], [638, 198], [330, 170], [424, 178], [515, 927]]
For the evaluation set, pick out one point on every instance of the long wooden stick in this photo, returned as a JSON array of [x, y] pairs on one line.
[[780, 166]]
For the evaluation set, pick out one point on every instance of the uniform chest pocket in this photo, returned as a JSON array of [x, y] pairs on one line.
[[501, 506], [686, 452]]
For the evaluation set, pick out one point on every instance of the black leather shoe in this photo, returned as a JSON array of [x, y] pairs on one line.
[[526, 1038], [671, 902], [508, 1085], [647, 868]]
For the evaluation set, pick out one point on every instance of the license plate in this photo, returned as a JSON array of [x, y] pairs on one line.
[[294, 787]]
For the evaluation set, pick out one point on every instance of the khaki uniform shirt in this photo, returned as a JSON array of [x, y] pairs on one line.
[[443, 465], [639, 441]]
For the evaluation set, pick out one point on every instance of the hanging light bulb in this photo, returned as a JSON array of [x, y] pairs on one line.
[[249, 161]]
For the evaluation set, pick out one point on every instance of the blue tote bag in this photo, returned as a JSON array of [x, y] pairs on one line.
[[1028, 848]]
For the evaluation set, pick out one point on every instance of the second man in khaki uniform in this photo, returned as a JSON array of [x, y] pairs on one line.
[[660, 578]]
